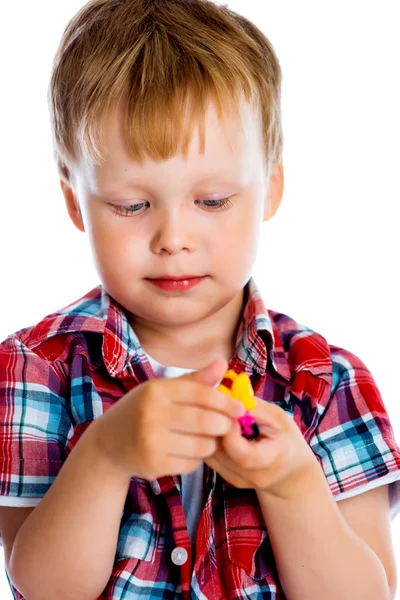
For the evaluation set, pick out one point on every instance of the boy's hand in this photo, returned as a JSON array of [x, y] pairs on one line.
[[167, 426], [278, 462]]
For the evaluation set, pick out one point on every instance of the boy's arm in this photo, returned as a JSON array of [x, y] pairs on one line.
[[65, 549], [317, 553]]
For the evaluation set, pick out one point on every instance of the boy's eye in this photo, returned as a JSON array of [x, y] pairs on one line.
[[132, 209], [223, 203], [127, 210]]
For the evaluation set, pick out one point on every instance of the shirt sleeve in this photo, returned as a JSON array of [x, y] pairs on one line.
[[354, 439], [35, 424]]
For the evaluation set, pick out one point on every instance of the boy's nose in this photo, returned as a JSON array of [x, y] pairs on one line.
[[172, 235]]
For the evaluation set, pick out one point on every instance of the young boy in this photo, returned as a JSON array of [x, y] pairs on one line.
[[123, 470]]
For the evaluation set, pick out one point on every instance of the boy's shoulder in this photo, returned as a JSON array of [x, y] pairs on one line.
[[293, 348], [48, 337], [94, 326], [306, 349]]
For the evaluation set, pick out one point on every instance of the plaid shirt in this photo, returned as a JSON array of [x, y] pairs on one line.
[[60, 375]]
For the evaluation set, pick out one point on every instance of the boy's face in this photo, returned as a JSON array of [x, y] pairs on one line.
[[173, 231]]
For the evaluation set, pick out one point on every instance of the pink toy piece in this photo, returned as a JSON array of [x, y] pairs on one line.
[[249, 426]]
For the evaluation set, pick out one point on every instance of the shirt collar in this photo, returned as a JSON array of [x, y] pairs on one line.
[[258, 343]]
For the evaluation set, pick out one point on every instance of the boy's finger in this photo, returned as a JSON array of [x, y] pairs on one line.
[[235, 445], [268, 415], [211, 399], [210, 375], [245, 452]]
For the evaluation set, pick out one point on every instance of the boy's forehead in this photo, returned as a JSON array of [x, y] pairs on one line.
[[231, 150]]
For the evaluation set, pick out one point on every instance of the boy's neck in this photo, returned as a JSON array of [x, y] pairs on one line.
[[193, 346]]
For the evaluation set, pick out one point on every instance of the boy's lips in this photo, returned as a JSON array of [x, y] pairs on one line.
[[176, 285]]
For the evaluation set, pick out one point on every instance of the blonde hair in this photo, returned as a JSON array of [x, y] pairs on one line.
[[151, 57]]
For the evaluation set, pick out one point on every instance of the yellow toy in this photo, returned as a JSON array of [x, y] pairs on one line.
[[239, 386]]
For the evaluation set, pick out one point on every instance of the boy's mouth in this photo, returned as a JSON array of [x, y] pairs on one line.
[[177, 283]]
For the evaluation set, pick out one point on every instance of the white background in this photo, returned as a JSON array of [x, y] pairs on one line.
[[330, 256]]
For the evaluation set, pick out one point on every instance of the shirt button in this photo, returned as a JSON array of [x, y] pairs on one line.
[[179, 556], [155, 486]]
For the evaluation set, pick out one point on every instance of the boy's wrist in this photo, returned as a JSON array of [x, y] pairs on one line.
[[96, 442], [300, 483]]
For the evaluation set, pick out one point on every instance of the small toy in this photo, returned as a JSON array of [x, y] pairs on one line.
[[238, 385]]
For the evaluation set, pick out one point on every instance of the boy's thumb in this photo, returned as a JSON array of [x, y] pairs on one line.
[[211, 374]]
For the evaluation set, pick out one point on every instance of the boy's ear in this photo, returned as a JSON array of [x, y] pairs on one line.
[[274, 192], [72, 204]]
